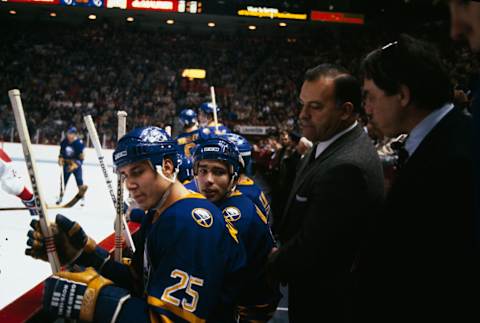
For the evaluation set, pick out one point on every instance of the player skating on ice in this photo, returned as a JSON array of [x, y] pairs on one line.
[[71, 160]]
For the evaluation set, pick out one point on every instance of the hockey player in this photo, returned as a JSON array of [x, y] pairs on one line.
[[206, 118], [183, 268], [217, 164], [185, 169], [245, 184], [186, 140], [13, 184], [71, 159]]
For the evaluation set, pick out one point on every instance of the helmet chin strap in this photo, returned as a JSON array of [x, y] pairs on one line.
[[231, 184], [169, 189], [171, 180]]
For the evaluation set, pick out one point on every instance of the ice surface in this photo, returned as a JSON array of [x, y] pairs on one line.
[[19, 273]]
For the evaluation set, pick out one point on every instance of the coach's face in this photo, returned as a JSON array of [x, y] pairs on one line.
[[465, 21], [385, 112], [320, 119]]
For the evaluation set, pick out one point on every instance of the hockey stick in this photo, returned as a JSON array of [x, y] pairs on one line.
[[73, 201], [98, 149], [214, 102], [121, 128], [69, 204], [168, 129], [41, 208], [62, 185]]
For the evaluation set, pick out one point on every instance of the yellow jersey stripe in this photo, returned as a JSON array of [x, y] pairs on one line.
[[261, 215], [180, 312]]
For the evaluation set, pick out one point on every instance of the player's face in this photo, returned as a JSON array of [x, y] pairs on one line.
[[382, 109], [320, 119], [70, 137], [202, 118], [213, 179], [143, 184], [465, 22]]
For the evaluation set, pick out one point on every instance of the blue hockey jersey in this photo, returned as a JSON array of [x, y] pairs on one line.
[[187, 141], [72, 150], [248, 188], [258, 300], [192, 265]]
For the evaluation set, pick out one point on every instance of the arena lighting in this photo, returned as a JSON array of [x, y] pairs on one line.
[[53, 14], [170, 22], [282, 24], [12, 12], [194, 73], [130, 19], [211, 24], [252, 27], [92, 17]]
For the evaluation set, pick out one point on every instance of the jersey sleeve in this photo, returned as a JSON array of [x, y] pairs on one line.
[[258, 300]]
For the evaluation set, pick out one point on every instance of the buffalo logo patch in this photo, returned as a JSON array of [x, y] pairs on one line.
[[231, 214], [203, 217]]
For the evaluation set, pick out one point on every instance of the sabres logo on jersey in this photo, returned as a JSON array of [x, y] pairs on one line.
[[203, 217], [153, 135], [69, 151], [231, 214]]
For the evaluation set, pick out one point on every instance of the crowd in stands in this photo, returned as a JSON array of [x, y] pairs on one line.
[[98, 69]]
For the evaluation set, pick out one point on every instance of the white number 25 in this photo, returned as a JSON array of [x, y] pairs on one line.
[[186, 282]]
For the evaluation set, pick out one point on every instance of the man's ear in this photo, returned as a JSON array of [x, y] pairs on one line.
[[404, 95], [168, 167], [347, 110]]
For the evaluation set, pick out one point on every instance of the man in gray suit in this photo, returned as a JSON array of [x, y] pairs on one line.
[[339, 185]]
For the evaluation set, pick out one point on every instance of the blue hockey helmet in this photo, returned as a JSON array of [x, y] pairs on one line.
[[244, 147], [185, 168], [72, 130], [207, 107], [220, 149], [147, 143], [188, 117]]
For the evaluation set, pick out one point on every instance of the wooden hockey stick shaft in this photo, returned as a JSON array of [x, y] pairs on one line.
[[41, 206], [98, 149], [62, 183], [214, 102], [121, 128]]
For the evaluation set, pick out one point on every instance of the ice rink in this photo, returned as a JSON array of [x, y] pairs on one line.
[[19, 273]]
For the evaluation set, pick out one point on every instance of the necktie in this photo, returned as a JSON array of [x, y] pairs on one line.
[[402, 153], [312, 155]]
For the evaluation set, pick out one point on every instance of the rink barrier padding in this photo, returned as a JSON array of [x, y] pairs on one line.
[[28, 306]]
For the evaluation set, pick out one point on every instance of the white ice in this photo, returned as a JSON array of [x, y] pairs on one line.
[[18, 272]]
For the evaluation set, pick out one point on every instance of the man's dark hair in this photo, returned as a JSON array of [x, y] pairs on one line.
[[413, 63], [347, 87]]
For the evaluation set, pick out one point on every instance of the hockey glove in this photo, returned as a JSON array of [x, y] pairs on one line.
[[76, 296], [73, 245], [73, 165]]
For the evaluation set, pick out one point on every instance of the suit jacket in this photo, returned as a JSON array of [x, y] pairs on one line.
[[422, 262], [323, 226]]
